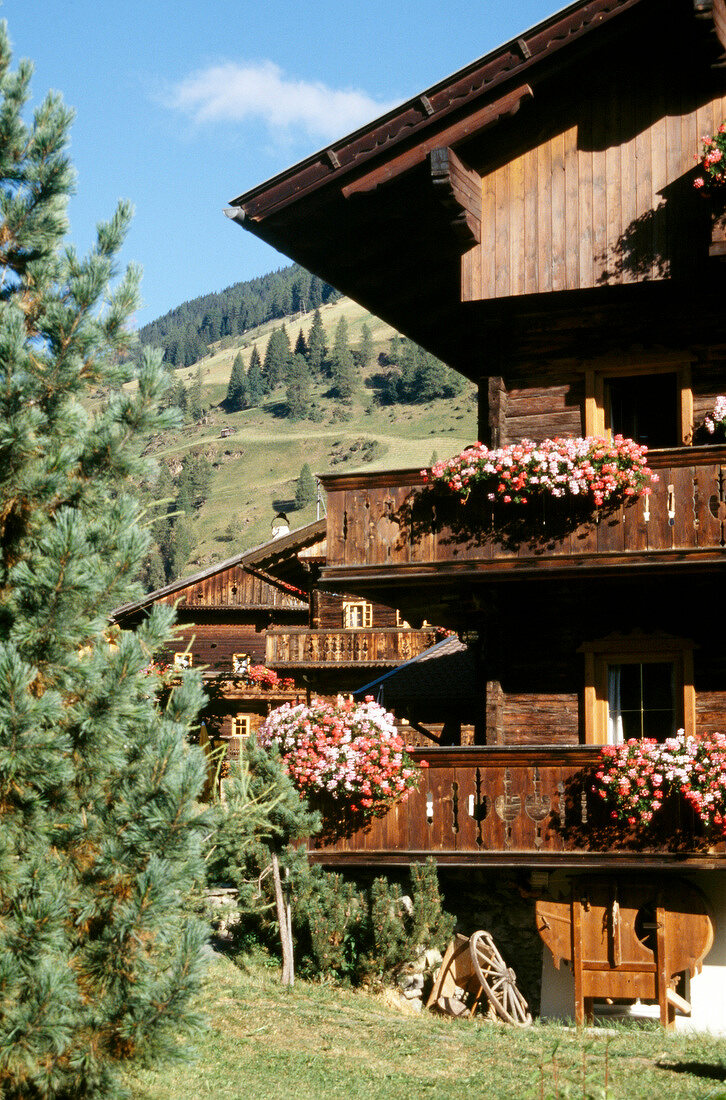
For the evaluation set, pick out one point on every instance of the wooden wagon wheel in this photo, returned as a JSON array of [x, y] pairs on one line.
[[498, 981]]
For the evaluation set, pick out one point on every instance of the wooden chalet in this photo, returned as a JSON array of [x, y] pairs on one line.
[[223, 615], [265, 608], [533, 221]]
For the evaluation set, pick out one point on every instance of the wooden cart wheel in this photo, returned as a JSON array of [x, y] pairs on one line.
[[498, 981]]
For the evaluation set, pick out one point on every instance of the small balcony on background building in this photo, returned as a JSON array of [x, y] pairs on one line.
[[388, 646]]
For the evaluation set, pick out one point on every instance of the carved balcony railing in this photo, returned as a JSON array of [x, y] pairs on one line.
[[518, 806], [317, 648], [377, 522]]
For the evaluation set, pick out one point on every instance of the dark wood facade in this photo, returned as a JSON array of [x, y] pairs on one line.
[[533, 221]]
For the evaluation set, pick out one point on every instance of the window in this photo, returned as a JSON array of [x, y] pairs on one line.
[[641, 700], [357, 614], [240, 663], [651, 405], [638, 686], [241, 724], [183, 660], [643, 407], [241, 729]]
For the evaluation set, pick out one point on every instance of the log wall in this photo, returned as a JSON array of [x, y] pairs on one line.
[[213, 644]]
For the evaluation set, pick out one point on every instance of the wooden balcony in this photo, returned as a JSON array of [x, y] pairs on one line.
[[391, 526], [520, 807], [317, 648]]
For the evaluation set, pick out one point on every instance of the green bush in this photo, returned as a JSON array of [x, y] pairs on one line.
[[358, 933]]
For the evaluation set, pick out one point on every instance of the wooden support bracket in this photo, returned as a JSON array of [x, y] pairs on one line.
[[458, 188]]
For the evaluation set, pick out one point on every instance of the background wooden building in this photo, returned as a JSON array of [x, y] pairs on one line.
[[265, 608], [533, 221]]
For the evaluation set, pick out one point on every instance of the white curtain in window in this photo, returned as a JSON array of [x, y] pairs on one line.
[[615, 719]]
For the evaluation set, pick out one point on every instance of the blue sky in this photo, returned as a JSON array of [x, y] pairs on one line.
[[181, 106]]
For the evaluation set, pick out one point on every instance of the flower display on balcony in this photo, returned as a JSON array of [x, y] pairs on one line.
[[713, 161], [596, 470], [637, 777], [715, 422], [349, 753], [267, 678]]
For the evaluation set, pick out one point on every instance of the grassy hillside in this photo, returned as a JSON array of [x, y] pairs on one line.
[[256, 467]]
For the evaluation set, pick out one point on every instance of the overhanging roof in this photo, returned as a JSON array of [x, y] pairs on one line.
[[271, 556], [386, 213]]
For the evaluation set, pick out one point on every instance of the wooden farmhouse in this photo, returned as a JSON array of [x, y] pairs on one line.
[[264, 633], [533, 221]]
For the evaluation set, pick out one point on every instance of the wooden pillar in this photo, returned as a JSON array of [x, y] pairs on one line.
[[494, 713], [576, 927], [667, 1009], [492, 411]]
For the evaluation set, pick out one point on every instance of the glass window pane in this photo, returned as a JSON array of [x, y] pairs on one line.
[[645, 408], [642, 700], [630, 693], [658, 685], [659, 724], [631, 725]]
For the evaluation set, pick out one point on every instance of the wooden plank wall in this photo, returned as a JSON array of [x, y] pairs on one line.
[[606, 198], [234, 587], [330, 611]]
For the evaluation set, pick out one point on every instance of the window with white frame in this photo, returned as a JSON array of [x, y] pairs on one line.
[[357, 614], [183, 660], [241, 726], [240, 663]]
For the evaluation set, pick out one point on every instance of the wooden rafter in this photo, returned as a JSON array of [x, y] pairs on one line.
[[451, 135]]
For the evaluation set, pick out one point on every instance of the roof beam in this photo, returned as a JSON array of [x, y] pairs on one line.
[[451, 136]]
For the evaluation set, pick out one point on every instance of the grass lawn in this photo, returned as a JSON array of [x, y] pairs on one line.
[[267, 1043]]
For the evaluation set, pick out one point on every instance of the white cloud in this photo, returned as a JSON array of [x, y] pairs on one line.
[[232, 92]]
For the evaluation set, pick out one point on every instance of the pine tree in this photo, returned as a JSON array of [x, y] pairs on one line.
[[301, 347], [298, 389], [195, 397], [317, 350], [305, 489], [237, 388], [277, 358], [183, 543], [342, 363], [255, 379], [100, 841], [365, 352]]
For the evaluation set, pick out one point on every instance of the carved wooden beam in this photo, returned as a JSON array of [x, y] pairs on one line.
[[714, 11], [451, 135], [719, 20], [458, 189]]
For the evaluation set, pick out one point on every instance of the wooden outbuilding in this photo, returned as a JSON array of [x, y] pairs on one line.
[[533, 221]]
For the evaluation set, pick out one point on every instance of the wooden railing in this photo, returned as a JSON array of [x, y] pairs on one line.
[[378, 521], [516, 806], [390, 646]]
